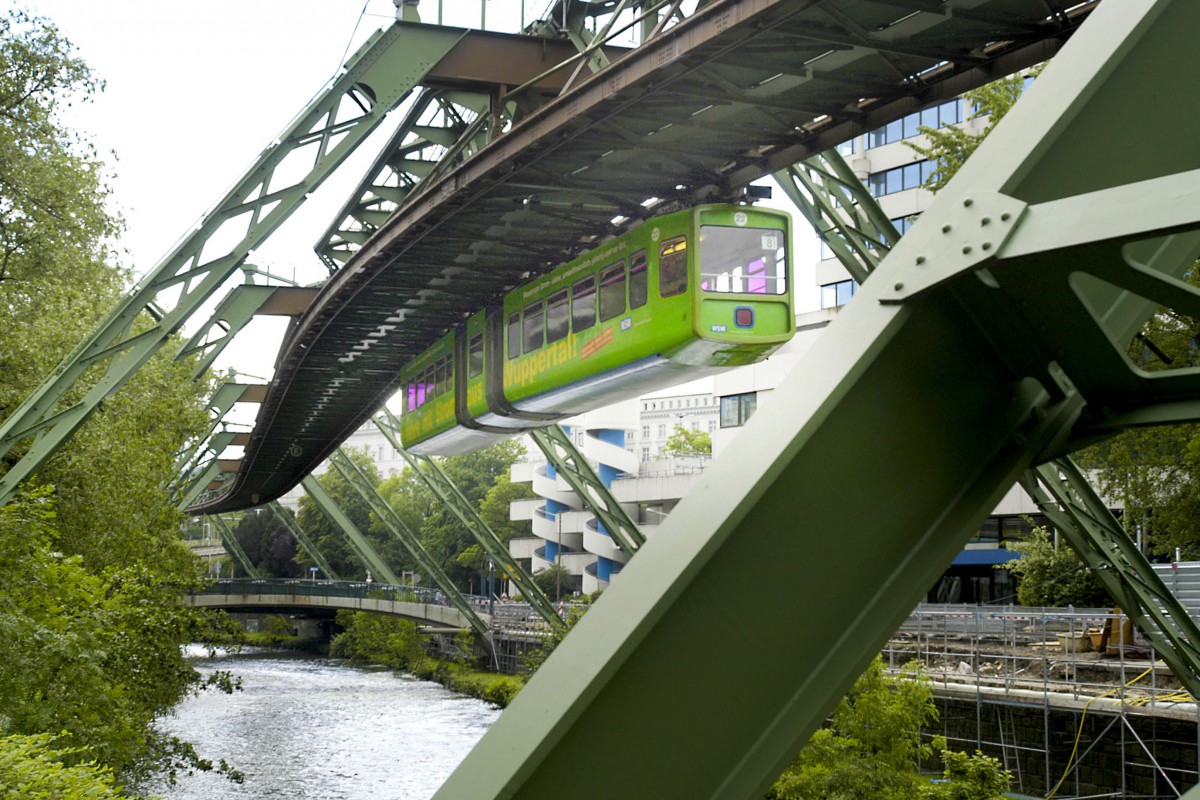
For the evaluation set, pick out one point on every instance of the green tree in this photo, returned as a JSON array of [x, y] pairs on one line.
[[555, 580], [91, 618], [31, 768], [872, 749], [683, 442], [1053, 575]]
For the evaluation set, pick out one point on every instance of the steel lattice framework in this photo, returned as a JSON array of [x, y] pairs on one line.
[[739, 89]]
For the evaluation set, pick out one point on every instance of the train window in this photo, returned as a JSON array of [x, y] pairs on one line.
[[638, 280], [422, 388], [412, 398], [583, 304], [475, 356], [612, 291], [534, 329], [557, 316], [514, 334], [442, 377], [672, 267], [743, 260]]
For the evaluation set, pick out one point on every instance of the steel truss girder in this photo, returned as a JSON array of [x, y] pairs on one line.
[[239, 306], [578, 473], [397, 527], [358, 542], [860, 234], [306, 544], [1077, 512], [954, 370], [374, 80], [233, 546], [841, 210], [457, 503]]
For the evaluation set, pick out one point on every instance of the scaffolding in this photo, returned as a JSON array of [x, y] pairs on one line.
[[1073, 702]]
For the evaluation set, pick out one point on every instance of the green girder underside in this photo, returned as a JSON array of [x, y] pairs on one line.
[[302, 539], [362, 548]]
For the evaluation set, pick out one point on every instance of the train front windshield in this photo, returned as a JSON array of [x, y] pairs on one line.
[[743, 260]]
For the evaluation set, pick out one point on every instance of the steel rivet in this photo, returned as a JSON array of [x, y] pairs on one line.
[[987, 246], [920, 260], [968, 202], [1005, 217], [967, 250], [945, 229], [985, 221], [899, 287]]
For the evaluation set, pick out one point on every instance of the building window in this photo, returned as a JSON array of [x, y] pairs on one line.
[[901, 179], [947, 113], [837, 294], [846, 148], [645, 431], [645, 454], [736, 409], [662, 431], [695, 426], [712, 426]]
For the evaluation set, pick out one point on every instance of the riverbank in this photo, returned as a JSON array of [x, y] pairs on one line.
[[395, 643]]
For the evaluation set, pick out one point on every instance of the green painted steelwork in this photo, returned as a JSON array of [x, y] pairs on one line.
[[375, 79], [358, 542], [980, 349], [578, 473], [860, 235], [231, 544], [841, 210], [1079, 515], [399, 529], [306, 544], [444, 489]]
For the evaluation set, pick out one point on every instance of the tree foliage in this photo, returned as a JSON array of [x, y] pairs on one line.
[[1053, 576], [683, 442], [872, 749], [91, 617]]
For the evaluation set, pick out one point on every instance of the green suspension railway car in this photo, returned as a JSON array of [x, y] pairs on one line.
[[679, 297]]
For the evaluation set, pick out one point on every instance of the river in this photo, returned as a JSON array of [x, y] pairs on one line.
[[314, 729]]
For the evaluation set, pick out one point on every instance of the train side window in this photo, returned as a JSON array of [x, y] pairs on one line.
[[534, 329], [514, 334], [639, 282], [672, 267], [440, 381], [612, 291], [583, 303], [558, 316], [475, 356], [412, 398], [422, 388]]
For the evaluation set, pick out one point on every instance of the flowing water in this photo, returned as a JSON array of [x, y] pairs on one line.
[[309, 728]]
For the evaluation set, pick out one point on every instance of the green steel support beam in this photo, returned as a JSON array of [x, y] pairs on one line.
[[444, 489], [397, 527], [374, 80], [1082, 518], [198, 484], [841, 210], [845, 215], [578, 473], [977, 352], [306, 544], [231, 544], [362, 548], [235, 311]]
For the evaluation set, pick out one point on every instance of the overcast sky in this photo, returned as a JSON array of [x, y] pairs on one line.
[[195, 91]]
